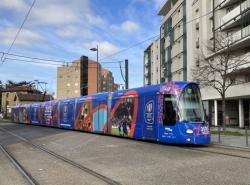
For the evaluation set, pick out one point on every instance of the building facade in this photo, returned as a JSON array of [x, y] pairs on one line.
[[230, 19], [188, 27], [80, 78], [107, 81], [152, 63], [173, 40]]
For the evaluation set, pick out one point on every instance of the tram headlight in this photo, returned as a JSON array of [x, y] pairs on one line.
[[189, 131]]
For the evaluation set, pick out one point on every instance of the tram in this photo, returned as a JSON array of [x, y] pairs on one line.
[[170, 112]]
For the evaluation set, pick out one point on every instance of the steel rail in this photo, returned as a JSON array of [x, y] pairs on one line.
[[19, 167], [66, 160]]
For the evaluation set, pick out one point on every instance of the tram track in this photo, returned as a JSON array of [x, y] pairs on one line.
[[226, 151], [57, 156], [19, 167]]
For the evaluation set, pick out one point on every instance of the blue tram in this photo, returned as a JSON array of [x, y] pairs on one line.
[[170, 112]]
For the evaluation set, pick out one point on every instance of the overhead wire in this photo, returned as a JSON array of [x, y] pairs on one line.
[[33, 58], [30, 61], [121, 51], [19, 30], [107, 57], [152, 37]]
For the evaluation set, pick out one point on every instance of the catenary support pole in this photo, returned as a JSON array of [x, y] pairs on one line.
[[126, 74]]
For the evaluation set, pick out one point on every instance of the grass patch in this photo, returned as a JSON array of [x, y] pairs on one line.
[[230, 133]]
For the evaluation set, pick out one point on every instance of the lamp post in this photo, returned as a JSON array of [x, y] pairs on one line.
[[97, 75]]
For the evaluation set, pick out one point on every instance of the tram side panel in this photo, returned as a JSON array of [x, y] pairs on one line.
[[15, 114], [66, 112], [34, 113], [138, 132], [124, 113], [47, 117], [41, 113], [55, 113], [91, 113], [99, 112], [83, 117], [23, 114], [150, 112]]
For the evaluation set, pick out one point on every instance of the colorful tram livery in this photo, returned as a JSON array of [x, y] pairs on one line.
[[169, 112]]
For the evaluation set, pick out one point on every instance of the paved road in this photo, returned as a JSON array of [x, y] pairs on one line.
[[122, 160]]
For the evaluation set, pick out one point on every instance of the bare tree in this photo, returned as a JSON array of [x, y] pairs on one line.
[[216, 65]]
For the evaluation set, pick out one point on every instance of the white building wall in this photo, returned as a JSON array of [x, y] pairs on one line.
[[155, 69], [152, 59]]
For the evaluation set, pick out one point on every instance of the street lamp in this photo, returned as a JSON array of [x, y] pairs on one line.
[[97, 75]]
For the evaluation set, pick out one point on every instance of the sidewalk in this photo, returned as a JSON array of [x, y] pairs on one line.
[[234, 137]]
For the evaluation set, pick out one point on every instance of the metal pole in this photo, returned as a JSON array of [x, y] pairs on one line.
[[126, 73], [97, 76], [219, 134], [246, 128]]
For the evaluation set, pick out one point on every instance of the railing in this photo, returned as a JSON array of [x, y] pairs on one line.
[[240, 139], [225, 3], [242, 33], [230, 16]]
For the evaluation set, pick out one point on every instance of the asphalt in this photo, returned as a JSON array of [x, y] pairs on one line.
[[124, 160]]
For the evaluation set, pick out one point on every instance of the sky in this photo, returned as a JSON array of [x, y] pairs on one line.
[[66, 29]]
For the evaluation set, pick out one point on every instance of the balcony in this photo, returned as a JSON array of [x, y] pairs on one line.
[[233, 18], [240, 39], [225, 3], [147, 65]]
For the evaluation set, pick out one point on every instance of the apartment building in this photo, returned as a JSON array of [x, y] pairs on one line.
[[80, 78], [152, 63], [173, 40], [231, 21], [107, 81], [187, 28]]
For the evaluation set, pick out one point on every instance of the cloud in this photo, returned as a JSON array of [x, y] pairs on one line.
[[127, 26], [54, 14], [95, 20], [105, 47], [25, 38], [73, 31], [17, 5]]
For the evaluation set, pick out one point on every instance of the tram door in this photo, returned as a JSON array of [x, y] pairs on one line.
[[149, 131]]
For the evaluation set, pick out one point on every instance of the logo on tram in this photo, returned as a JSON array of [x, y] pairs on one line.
[[149, 112]]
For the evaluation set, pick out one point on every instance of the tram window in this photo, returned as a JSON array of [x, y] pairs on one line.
[[169, 115], [191, 107]]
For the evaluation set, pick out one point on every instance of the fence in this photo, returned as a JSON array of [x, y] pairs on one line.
[[230, 136]]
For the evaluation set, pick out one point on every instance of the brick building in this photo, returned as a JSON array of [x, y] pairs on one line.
[[80, 78]]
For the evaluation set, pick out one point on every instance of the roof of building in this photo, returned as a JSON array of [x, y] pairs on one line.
[[164, 8], [34, 97], [23, 88]]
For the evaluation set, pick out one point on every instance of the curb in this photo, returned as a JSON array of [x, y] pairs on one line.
[[246, 149]]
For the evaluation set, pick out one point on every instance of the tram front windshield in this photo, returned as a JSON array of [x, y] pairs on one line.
[[191, 107]]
